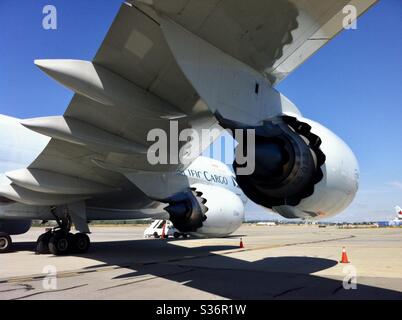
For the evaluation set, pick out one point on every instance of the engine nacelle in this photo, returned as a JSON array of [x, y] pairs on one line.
[[225, 212], [207, 211], [303, 170]]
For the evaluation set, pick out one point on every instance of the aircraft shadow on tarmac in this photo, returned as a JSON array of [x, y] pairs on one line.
[[203, 268]]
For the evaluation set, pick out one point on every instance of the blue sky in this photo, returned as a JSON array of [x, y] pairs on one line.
[[353, 85]]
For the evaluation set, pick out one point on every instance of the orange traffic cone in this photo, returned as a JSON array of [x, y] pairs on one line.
[[241, 243], [344, 256], [163, 236]]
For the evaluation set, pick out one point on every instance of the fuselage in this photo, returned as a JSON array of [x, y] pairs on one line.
[[20, 147], [397, 221]]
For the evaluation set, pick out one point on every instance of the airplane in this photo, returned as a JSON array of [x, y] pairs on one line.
[[398, 212], [397, 221], [195, 65], [266, 223]]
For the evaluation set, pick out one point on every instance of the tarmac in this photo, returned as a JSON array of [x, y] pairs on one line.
[[277, 262]]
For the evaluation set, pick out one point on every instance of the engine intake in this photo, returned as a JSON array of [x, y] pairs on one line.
[[288, 163], [187, 211]]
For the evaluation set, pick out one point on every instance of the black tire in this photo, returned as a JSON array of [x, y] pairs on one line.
[[156, 235], [176, 235], [59, 244], [80, 243], [184, 235], [42, 244], [5, 242]]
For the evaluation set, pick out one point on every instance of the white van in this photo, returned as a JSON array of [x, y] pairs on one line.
[[156, 228]]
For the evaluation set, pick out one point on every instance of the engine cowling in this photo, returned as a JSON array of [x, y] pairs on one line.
[[210, 211], [302, 170]]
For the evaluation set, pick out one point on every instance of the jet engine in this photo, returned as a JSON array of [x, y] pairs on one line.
[[302, 169], [207, 211]]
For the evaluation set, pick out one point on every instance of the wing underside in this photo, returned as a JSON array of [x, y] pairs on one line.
[[97, 146], [271, 36]]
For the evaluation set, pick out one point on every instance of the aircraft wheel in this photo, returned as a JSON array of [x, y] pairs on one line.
[[5, 242], [42, 244], [81, 242], [59, 243], [156, 236]]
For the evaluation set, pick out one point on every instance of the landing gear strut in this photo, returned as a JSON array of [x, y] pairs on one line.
[[60, 241], [5, 242]]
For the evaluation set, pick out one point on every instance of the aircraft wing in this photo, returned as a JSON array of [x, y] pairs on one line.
[[271, 36], [136, 84], [99, 147]]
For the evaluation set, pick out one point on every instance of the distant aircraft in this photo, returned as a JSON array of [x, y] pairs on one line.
[[398, 212], [397, 221], [266, 223], [201, 67]]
